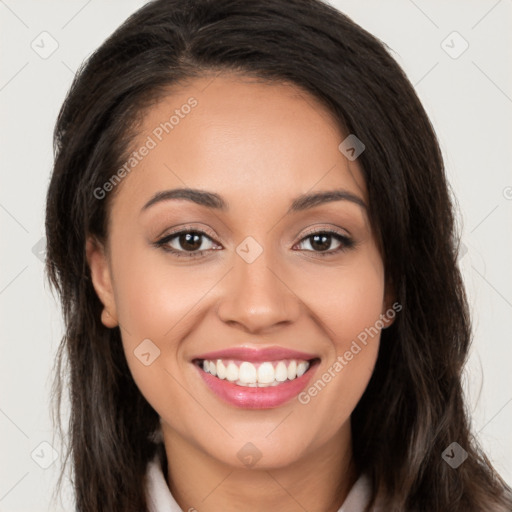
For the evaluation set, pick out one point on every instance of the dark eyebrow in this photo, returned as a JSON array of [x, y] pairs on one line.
[[208, 199], [306, 201], [212, 200]]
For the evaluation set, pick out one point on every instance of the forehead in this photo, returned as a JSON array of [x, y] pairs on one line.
[[243, 138]]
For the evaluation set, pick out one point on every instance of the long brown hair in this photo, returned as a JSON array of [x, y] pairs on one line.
[[413, 407]]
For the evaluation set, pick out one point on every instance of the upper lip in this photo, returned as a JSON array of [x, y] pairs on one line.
[[257, 355]]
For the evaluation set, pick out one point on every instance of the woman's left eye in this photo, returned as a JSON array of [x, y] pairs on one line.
[[193, 243], [320, 242]]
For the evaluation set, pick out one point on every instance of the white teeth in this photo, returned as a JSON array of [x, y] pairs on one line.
[[301, 368], [245, 373], [221, 369], [292, 370], [281, 372], [232, 372], [265, 373]]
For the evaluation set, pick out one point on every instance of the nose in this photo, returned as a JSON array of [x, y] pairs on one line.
[[256, 297]]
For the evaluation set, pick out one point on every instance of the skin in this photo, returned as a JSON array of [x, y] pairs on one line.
[[259, 146]]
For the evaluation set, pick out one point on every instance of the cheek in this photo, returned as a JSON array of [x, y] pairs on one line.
[[348, 305], [152, 303], [153, 297], [346, 299]]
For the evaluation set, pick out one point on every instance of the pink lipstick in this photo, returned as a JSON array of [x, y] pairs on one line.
[[256, 378]]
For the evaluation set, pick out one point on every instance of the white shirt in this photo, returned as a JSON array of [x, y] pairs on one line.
[[160, 498]]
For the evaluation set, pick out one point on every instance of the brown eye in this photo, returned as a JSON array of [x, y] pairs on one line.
[[190, 241], [186, 243], [321, 242]]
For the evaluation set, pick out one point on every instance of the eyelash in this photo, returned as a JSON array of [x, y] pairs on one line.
[[346, 242]]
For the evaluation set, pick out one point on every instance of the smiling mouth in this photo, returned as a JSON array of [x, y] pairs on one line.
[[256, 374]]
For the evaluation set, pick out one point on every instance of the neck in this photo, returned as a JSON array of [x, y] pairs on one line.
[[319, 481]]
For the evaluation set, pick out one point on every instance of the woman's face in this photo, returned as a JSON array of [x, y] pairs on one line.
[[255, 277]]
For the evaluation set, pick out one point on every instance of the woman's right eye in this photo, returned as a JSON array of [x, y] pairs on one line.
[[190, 243]]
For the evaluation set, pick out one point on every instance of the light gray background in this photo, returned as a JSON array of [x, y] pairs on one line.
[[468, 99]]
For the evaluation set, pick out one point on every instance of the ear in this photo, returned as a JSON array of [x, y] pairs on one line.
[[390, 306], [98, 261]]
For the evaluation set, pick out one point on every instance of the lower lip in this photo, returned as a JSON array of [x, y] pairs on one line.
[[257, 398]]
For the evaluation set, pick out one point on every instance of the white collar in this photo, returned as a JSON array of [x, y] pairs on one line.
[[160, 498]]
